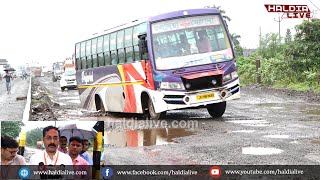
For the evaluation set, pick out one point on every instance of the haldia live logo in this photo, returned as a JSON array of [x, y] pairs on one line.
[[290, 11], [215, 172]]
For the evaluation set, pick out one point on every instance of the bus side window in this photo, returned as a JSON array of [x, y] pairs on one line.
[[100, 51], [83, 55], [128, 45], [94, 52], [120, 46], [78, 61], [113, 48], [88, 54], [106, 49]]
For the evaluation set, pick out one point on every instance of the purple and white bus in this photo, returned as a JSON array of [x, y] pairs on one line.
[[176, 60]]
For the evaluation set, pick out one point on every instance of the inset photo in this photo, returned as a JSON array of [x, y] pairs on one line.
[[15, 93], [52, 143]]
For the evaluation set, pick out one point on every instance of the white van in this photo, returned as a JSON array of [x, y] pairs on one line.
[[68, 79]]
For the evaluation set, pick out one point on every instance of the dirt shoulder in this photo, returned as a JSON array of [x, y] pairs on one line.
[[41, 103], [308, 96]]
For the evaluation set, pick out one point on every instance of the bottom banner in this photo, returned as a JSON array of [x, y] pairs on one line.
[[210, 172], [161, 172]]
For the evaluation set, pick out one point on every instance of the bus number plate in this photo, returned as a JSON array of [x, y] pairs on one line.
[[205, 96]]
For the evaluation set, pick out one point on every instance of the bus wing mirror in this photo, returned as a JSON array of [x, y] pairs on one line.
[[143, 44]]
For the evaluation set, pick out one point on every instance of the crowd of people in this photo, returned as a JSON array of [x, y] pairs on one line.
[[58, 151]]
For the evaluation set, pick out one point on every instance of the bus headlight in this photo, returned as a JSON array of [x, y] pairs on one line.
[[230, 76], [172, 85]]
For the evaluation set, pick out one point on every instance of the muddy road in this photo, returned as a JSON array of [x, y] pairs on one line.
[[50, 103], [265, 126], [12, 105]]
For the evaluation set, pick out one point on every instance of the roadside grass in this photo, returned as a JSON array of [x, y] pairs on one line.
[[298, 86], [302, 86]]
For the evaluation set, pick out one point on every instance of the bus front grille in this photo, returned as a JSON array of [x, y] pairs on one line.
[[174, 99], [202, 82]]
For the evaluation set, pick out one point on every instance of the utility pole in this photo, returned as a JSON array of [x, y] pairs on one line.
[[279, 21], [260, 37]]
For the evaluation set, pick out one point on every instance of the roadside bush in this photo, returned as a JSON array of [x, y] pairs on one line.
[[247, 70]]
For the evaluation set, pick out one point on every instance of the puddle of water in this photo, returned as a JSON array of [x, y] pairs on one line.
[[145, 137], [277, 136], [315, 141], [272, 105], [277, 107], [294, 142], [261, 151], [249, 121], [312, 111], [256, 123], [244, 131], [75, 101], [76, 98], [313, 157]]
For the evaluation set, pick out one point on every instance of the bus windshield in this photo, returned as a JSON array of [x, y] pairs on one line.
[[190, 41]]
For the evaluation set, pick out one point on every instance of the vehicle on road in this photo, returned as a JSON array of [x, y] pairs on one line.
[[177, 60], [57, 71], [37, 72], [68, 79]]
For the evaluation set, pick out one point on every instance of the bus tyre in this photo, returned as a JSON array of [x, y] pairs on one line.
[[62, 89], [101, 108], [152, 114], [217, 109]]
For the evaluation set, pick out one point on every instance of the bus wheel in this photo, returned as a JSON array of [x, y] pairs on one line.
[[99, 105], [216, 109], [62, 89], [152, 114]]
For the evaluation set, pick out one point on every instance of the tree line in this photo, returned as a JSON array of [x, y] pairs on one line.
[[292, 61]]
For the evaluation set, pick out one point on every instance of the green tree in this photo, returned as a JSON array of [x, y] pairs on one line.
[[223, 12], [33, 136], [288, 37], [304, 52], [11, 128], [235, 38]]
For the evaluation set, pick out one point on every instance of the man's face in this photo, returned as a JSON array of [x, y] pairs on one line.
[[51, 140], [63, 142], [75, 147], [86, 145], [8, 153]]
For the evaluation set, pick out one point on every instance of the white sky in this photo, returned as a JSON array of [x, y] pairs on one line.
[[46, 30]]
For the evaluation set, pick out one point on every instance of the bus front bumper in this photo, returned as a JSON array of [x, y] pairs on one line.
[[170, 100]]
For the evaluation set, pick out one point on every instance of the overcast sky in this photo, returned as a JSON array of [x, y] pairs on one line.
[[46, 30]]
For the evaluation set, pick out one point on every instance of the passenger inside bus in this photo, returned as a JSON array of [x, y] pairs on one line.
[[203, 42], [184, 45]]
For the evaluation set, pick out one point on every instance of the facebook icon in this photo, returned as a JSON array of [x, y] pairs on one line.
[[107, 172]]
